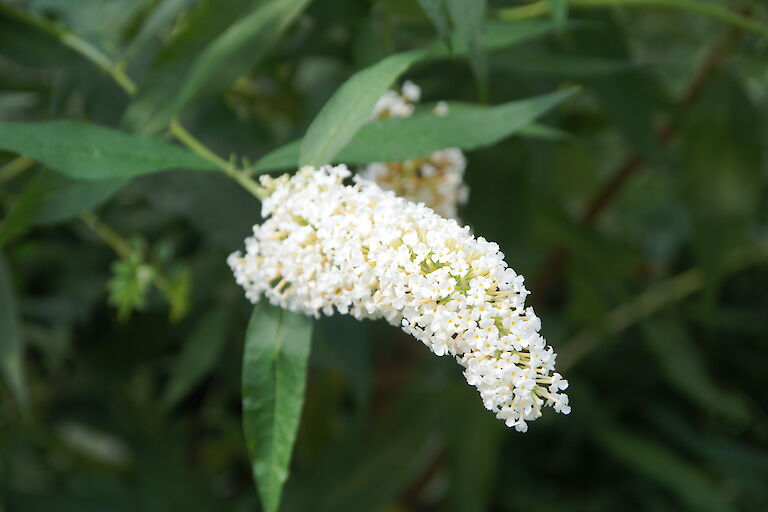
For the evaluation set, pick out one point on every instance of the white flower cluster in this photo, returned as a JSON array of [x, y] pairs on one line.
[[436, 180], [363, 251], [392, 104]]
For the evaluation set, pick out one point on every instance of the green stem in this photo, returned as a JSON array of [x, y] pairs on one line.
[[189, 140], [15, 167], [711, 10], [108, 235], [87, 50], [79, 45], [118, 74], [525, 12], [655, 299]]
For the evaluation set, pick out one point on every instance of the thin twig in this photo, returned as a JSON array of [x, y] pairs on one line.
[[120, 245], [116, 71], [108, 235], [709, 9], [652, 301], [14, 168]]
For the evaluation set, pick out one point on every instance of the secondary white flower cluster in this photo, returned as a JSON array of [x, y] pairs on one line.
[[363, 251], [436, 180]]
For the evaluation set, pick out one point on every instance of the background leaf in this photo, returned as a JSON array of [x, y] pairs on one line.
[[469, 19], [635, 119], [11, 348], [566, 65], [252, 28], [210, 202], [657, 463], [435, 11], [50, 198], [559, 9], [159, 21], [198, 356], [68, 198], [685, 370], [91, 152], [274, 375], [28, 46], [723, 152]]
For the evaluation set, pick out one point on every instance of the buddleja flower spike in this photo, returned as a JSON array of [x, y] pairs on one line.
[[356, 249]]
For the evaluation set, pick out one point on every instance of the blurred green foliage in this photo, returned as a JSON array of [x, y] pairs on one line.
[[640, 222]]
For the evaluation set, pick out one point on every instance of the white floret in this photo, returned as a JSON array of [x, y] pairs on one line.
[[437, 179]]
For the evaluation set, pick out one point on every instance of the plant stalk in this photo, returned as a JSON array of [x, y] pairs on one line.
[[710, 10], [117, 72]]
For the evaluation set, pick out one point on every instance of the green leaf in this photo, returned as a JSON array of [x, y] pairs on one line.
[[246, 38], [435, 11], [471, 466], [635, 119], [277, 347], [656, 462], [284, 157], [25, 44], [356, 472], [177, 293], [542, 131], [498, 35], [564, 65], [11, 348], [469, 19], [198, 356], [422, 133], [129, 285], [91, 152], [49, 198], [401, 138], [216, 205], [23, 211], [559, 10], [71, 200], [161, 19], [65, 198], [351, 105], [735, 459], [723, 152], [686, 370]]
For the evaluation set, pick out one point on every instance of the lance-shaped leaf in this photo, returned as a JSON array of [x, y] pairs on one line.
[[162, 17], [91, 152], [208, 55], [466, 126], [409, 137], [351, 105], [469, 19], [435, 11], [49, 198], [274, 377], [199, 355], [686, 370], [559, 9]]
